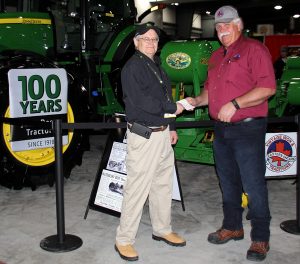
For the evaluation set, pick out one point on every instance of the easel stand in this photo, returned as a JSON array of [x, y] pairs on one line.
[[60, 242], [293, 226], [114, 136]]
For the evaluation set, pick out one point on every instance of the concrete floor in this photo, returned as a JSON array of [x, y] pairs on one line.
[[27, 217]]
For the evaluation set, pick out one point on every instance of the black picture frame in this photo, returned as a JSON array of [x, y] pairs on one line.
[[113, 136]]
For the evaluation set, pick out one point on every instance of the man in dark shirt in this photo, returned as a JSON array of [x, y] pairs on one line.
[[280, 63], [150, 113], [240, 81]]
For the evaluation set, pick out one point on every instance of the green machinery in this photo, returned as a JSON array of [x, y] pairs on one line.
[[92, 39], [287, 99], [186, 65]]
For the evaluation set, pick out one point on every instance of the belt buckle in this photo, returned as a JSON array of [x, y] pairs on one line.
[[248, 119], [158, 129]]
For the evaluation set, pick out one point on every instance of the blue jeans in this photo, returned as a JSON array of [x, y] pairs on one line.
[[240, 163]]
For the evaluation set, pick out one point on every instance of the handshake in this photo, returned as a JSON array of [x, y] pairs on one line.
[[184, 104]]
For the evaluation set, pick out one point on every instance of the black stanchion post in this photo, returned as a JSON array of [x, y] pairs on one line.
[[293, 226], [61, 242]]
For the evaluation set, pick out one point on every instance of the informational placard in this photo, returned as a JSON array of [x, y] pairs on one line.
[[117, 158], [110, 189], [281, 154], [34, 93], [176, 194]]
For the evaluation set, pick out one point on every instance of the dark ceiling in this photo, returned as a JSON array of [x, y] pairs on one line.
[[253, 12]]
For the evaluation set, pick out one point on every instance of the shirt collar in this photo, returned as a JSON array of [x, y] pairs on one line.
[[155, 58], [237, 44]]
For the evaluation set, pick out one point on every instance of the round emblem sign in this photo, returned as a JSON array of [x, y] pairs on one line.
[[280, 153], [178, 60]]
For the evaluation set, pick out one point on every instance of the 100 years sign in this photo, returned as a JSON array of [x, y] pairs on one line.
[[36, 93]]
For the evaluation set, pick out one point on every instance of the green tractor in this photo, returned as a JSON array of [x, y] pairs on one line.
[[91, 40]]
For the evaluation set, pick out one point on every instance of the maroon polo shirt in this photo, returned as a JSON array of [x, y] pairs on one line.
[[246, 65]]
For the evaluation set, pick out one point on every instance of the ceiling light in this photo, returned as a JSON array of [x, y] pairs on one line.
[[176, 4], [278, 7], [296, 16], [207, 12]]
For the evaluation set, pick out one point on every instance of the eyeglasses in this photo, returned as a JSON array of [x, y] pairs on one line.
[[220, 26], [150, 40]]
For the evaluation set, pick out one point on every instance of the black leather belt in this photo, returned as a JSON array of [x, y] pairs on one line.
[[154, 129], [249, 119]]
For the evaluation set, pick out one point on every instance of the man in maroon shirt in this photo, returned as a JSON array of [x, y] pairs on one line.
[[240, 81]]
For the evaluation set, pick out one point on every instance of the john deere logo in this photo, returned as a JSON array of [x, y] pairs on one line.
[[280, 153], [178, 60]]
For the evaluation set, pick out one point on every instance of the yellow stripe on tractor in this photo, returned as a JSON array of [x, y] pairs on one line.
[[26, 20]]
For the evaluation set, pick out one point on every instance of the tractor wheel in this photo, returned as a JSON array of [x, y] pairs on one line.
[[36, 167]]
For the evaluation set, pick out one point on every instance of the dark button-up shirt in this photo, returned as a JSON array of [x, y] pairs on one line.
[[246, 65], [146, 98]]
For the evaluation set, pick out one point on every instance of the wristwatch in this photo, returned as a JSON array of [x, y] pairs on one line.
[[236, 105]]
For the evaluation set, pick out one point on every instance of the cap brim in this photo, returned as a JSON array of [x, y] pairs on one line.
[[225, 20], [145, 30]]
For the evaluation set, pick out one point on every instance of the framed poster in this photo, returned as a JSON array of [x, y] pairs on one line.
[[110, 190], [102, 197], [112, 179]]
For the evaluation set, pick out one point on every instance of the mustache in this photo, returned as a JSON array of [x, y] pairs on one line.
[[222, 34]]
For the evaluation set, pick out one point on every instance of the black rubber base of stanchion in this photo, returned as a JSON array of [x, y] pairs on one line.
[[290, 226], [52, 244]]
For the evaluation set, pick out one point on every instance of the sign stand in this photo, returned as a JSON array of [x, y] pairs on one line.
[[293, 226], [179, 187], [61, 242], [114, 136]]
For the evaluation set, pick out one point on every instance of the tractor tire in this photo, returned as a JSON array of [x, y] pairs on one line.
[[32, 168]]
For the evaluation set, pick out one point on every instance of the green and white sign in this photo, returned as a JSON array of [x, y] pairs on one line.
[[36, 93]]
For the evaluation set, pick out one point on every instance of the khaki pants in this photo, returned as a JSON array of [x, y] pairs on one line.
[[150, 165]]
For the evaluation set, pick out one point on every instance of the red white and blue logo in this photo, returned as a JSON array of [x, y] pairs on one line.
[[281, 153]]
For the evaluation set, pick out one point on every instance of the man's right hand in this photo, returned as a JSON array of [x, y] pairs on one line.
[[186, 105], [180, 109], [199, 100], [191, 101]]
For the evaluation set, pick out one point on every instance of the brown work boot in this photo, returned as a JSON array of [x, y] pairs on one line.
[[172, 239], [258, 251], [127, 252], [222, 236]]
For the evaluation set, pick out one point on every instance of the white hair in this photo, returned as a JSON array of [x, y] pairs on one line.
[[238, 21]]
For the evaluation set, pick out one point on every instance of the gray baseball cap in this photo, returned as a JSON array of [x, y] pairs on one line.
[[226, 14]]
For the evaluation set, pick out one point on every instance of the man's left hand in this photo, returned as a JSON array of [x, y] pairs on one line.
[[226, 112], [173, 137]]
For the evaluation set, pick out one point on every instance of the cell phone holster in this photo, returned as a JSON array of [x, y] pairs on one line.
[[141, 130]]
